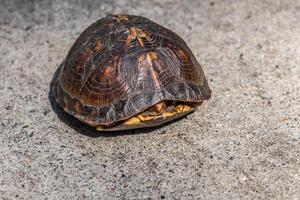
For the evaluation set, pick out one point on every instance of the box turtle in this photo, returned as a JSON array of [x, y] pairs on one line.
[[126, 72]]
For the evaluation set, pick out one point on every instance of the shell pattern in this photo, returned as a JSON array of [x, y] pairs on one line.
[[123, 64]]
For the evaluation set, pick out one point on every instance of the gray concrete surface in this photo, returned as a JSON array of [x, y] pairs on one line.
[[243, 144]]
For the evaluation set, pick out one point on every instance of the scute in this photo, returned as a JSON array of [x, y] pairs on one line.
[[123, 64]]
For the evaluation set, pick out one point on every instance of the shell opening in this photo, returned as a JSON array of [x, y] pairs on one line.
[[156, 115]]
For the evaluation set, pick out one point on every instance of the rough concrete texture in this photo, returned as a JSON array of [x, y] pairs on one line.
[[242, 144]]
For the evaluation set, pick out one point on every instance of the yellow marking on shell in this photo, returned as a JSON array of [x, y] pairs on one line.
[[140, 41], [142, 33], [134, 34], [133, 31], [138, 119], [179, 108], [158, 108], [100, 128], [168, 114], [182, 54], [132, 120], [148, 57], [182, 108], [120, 17], [153, 55], [142, 118]]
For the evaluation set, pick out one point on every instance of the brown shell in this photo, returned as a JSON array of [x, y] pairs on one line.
[[123, 64]]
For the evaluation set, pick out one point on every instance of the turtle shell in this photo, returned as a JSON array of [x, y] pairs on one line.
[[123, 64]]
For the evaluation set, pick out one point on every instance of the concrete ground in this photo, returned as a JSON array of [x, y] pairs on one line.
[[242, 144]]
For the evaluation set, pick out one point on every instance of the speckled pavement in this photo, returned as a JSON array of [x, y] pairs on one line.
[[242, 144]]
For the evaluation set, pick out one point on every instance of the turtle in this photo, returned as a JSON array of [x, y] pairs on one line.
[[127, 72]]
